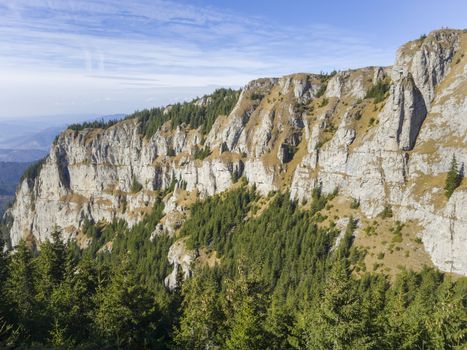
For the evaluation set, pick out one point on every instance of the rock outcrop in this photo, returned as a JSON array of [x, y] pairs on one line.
[[292, 133]]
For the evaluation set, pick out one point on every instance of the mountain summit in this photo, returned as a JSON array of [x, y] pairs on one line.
[[383, 139]]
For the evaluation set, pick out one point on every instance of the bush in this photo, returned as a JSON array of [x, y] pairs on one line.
[[321, 90], [324, 102], [386, 213], [135, 186], [201, 153], [378, 91], [355, 204]]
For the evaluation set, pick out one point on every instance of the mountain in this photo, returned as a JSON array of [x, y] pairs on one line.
[[21, 155], [22, 141], [39, 140], [293, 133], [10, 174], [311, 211]]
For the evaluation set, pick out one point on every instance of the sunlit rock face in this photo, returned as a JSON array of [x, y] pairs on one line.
[[293, 133]]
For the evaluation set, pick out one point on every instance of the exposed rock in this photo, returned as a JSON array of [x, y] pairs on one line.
[[280, 136], [181, 259]]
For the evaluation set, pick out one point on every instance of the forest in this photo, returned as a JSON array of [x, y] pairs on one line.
[[280, 282], [194, 113]]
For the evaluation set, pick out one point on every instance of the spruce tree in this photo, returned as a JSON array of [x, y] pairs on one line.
[[453, 179], [21, 288], [337, 320], [447, 324], [201, 314], [51, 265], [245, 307], [126, 314], [3, 278]]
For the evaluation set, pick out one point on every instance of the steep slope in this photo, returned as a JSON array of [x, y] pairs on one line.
[[383, 136]]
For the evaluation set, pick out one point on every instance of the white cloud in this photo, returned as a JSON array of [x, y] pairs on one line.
[[121, 51]]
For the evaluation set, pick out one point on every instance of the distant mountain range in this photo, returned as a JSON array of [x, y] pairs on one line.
[[10, 174], [38, 140], [30, 140]]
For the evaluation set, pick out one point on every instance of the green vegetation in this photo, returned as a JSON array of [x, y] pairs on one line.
[[321, 90], [202, 153], [221, 102], [454, 178], [279, 284], [96, 124], [33, 171], [355, 204], [324, 77], [378, 91], [357, 115], [386, 212], [324, 102], [135, 186]]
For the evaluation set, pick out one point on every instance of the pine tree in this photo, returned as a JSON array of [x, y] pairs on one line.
[[336, 322], [3, 278], [51, 265], [245, 307], [453, 179], [8, 332], [71, 302], [20, 287], [126, 314], [201, 314], [278, 324], [447, 324]]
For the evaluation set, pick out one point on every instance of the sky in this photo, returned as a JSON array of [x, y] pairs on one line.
[[63, 58]]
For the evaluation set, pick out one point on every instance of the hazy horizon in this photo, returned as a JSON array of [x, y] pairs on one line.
[[63, 58]]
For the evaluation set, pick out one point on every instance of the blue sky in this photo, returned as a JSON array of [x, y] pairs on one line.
[[79, 57]]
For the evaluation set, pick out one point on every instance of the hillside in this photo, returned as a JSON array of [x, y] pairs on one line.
[[291, 133], [307, 211]]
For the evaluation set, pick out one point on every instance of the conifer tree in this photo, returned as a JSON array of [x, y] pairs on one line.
[[3, 278], [245, 307], [126, 314], [71, 302], [447, 324], [51, 265], [20, 287], [201, 315], [337, 322], [453, 179]]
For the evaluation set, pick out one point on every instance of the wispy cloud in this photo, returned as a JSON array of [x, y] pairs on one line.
[[108, 48]]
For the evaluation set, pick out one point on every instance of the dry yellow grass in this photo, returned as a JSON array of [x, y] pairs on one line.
[[74, 198], [384, 246], [207, 258], [387, 251]]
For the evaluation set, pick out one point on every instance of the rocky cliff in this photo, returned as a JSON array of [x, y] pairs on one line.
[[391, 149]]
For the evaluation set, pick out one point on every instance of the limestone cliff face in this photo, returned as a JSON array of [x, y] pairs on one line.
[[291, 133]]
